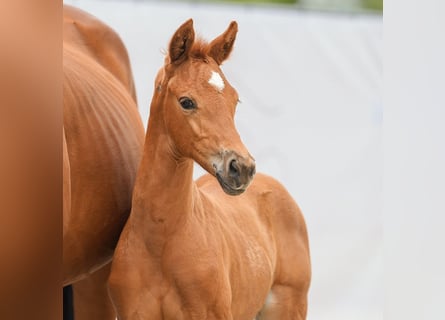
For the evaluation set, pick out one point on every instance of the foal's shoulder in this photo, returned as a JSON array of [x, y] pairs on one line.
[[262, 186], [264, 183]]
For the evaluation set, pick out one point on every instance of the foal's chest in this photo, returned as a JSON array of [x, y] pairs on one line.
[[210, 277]]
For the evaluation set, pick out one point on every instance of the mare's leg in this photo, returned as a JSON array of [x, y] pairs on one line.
[[91, 299], [68, 311]]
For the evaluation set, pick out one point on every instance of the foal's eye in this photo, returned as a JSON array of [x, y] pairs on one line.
[[187, 103]]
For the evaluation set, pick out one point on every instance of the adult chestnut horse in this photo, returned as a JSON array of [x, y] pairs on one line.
[[206, 250], [102, 144]]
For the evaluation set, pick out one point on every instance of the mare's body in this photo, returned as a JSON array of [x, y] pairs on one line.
[[102, 143]]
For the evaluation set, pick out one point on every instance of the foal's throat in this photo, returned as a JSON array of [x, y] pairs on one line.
[[165, 193]]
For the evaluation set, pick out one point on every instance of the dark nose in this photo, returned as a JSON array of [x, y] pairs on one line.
[[233, 169], [241, 170]]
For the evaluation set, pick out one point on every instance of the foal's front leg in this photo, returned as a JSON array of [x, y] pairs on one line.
[[285, 303]]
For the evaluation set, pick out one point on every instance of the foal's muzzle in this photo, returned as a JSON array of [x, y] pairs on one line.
[[234, 173]]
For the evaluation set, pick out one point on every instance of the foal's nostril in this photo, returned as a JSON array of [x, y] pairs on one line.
[[233, 169]]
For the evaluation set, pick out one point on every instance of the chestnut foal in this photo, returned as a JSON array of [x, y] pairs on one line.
[[195, 250]]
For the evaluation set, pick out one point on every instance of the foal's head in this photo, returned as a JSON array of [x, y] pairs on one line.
[[198, 104]]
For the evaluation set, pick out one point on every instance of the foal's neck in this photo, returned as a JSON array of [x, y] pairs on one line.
[[165, 192]]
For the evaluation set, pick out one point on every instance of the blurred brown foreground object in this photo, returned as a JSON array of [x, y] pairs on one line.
[[30, 160], [33, 115]]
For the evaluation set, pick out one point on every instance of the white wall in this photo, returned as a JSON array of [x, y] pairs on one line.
[[311, 115]]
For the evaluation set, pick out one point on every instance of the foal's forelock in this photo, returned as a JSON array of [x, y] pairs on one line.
[[200, 50]]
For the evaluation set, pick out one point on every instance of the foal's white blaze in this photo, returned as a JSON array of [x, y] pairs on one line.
[[216, 81]]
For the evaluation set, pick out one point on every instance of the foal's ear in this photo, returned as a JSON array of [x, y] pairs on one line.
[[220, 48], [181, 42]]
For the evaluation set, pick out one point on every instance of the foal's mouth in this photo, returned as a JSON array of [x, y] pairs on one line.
[[233, 191]]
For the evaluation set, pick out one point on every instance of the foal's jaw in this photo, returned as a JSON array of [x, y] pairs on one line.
[[233, 172]]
